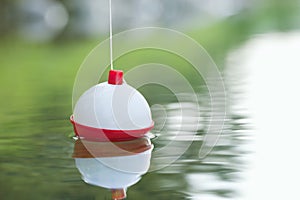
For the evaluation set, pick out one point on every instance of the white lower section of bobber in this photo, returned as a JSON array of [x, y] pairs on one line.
[[115, 107], [114, 172]]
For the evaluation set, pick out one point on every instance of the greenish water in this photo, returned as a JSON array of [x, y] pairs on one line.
[[39, 165]]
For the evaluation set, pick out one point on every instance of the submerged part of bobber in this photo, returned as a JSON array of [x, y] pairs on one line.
[[113, 165]]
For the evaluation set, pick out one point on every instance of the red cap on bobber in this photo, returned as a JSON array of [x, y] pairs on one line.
[[115, 77]]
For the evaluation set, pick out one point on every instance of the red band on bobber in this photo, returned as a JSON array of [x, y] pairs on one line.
[[97, 134]]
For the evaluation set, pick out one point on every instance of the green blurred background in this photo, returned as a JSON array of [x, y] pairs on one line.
[[42, 45], [40, 57]]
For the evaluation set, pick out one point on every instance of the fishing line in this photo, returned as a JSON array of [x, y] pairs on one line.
[[110, 36]]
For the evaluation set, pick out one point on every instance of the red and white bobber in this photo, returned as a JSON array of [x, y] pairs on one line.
[[112, 111]]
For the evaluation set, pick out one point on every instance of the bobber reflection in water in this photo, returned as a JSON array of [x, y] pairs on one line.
[[113, 165]]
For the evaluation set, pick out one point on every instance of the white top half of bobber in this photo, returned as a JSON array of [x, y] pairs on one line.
[[114, 107]]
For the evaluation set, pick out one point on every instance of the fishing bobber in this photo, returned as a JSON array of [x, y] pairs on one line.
[[113, 165], [112, 111]]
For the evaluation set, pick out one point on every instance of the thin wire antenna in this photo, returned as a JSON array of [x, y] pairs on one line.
[[110, 36]]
